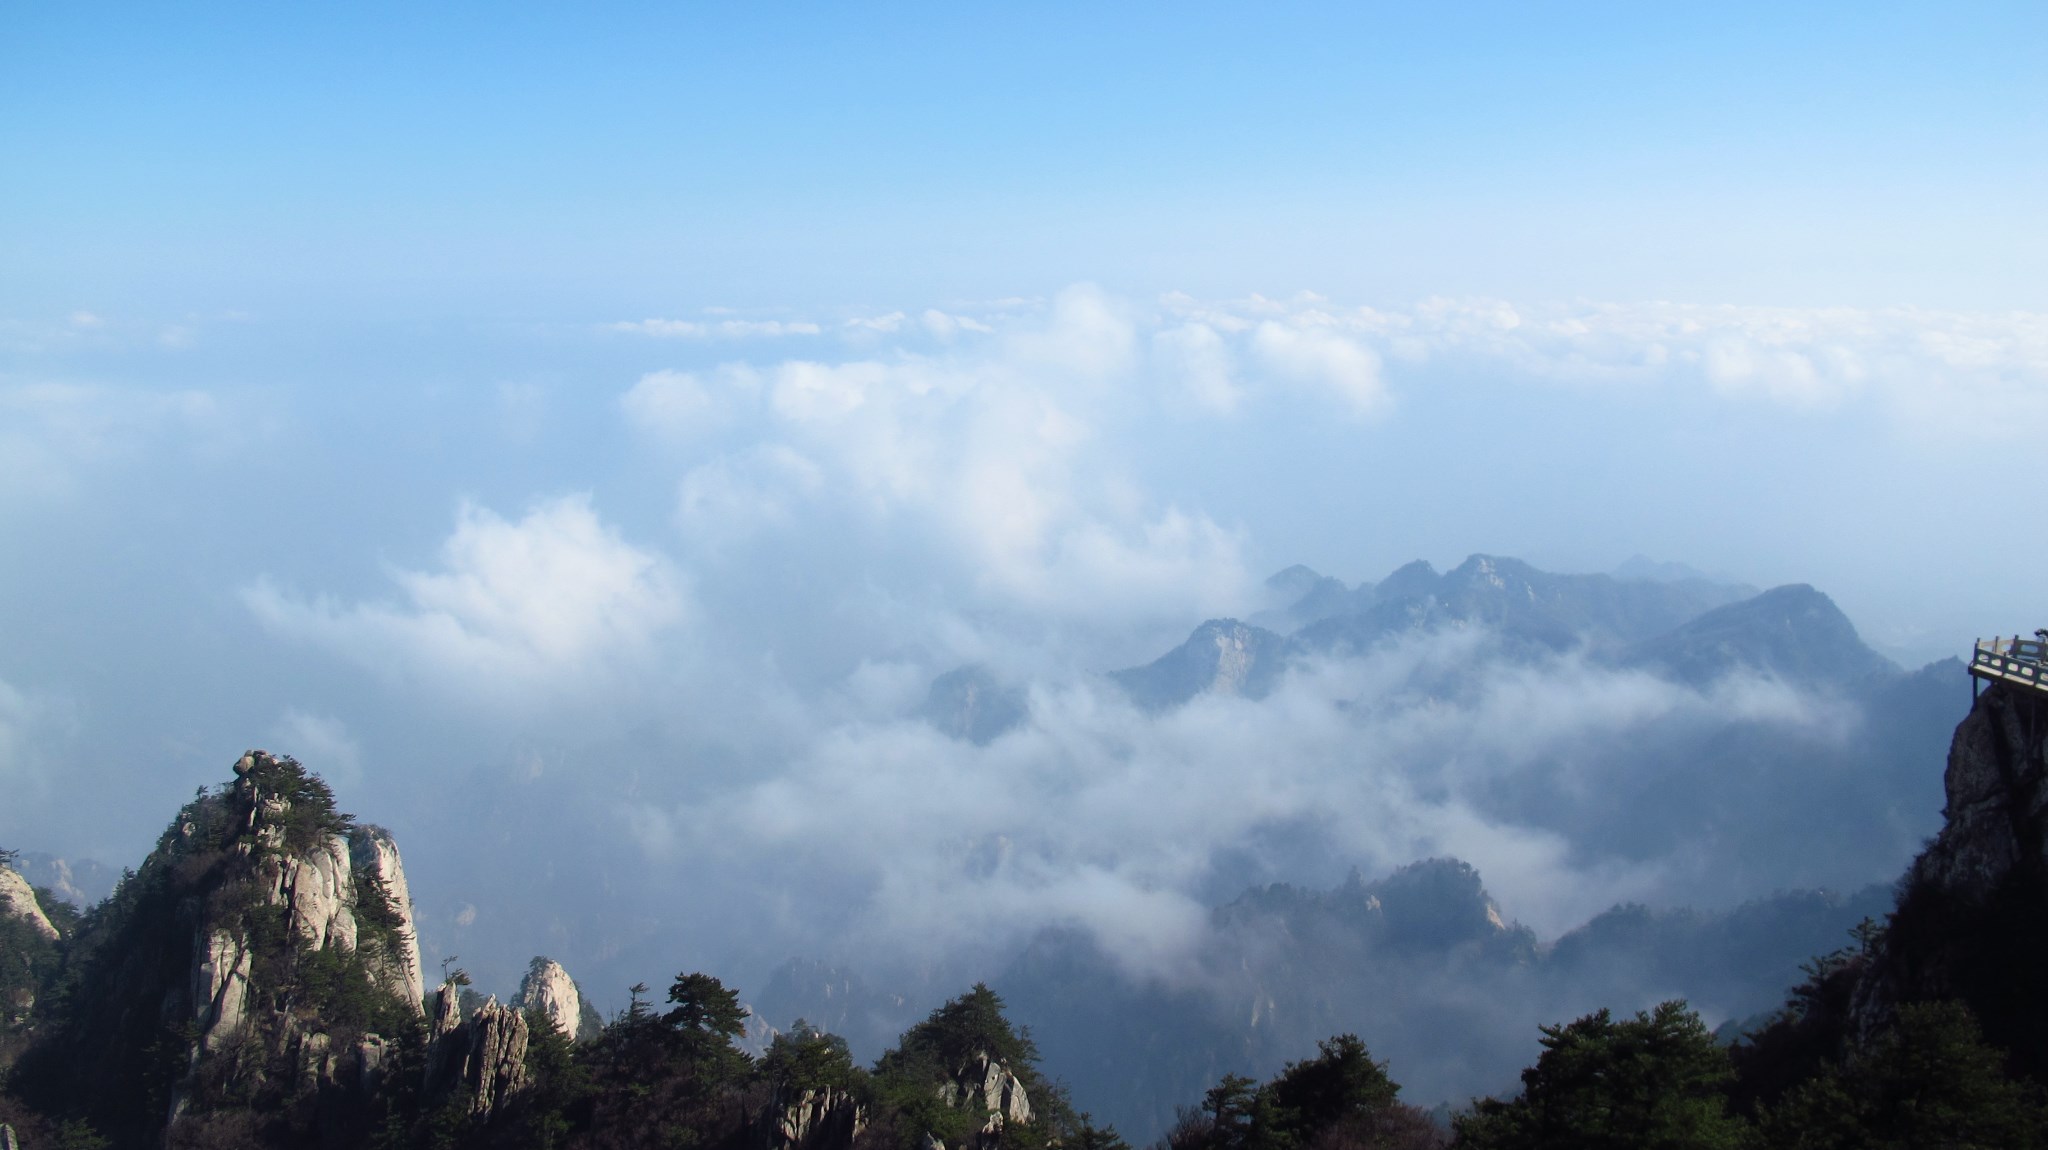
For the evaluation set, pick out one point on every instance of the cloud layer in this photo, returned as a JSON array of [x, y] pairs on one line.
[[658, 614], [555, 601]]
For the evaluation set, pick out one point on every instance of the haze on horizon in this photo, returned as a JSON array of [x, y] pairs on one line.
[[583, 437]]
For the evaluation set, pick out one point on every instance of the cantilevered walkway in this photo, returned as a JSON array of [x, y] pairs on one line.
[[2023, 662]]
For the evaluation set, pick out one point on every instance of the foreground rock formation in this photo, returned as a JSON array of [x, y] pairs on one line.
[[263, 957], [1972, 919], [479, 1061]]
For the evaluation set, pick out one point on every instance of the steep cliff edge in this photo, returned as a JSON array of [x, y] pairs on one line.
[[1972, 916]]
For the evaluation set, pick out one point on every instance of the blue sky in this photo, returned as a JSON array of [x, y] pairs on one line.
[[480, 160], [600, 426]]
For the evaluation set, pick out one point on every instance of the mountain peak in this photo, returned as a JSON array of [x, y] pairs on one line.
[[1220, 657], [1409, 581], [1794, 632]]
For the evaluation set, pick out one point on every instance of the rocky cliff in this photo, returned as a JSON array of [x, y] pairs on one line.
[[818, 1118], [261, 959], [18, 901], [548, 988], [984, 1085], [478, 1061], [1972, 916]]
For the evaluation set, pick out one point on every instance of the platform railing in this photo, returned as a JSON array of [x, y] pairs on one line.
[[2014, 660]]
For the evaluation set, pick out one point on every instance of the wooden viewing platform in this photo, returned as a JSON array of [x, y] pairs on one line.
[[2022, 662]]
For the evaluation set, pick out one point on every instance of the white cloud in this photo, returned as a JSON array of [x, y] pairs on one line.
[[1323, 358], [1098, 816], [886, 324], [517, 608], [673, 403], [1088, 334], [718, 329], [1196, 359], [816, 391], [945, 326], [53, 434], [322, 743], [742, 495], [1949, 374]]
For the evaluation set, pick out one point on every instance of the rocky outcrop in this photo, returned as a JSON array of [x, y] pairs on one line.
[[318, 889], [325, 892], [358, 1066], [1972, 916], [276, 938], [825, 1118], [549, 989], [1997, 798], [984, 1085], [480, 1060], [18, 900], [374, 856], [221, 964]]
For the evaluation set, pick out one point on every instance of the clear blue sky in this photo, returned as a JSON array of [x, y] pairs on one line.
[[527, 159]]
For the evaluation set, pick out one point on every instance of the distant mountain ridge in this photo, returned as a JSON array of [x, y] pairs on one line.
[[1793, 632], [1530, 613]]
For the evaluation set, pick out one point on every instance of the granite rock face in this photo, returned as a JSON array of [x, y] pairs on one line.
[[821, 1119], [984, 1085], [323, 890], [374, 856], [221, 964], [548, 988], [1997, 789], [18, 900], [1972, 916], [333, 893], [480, 1060]]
